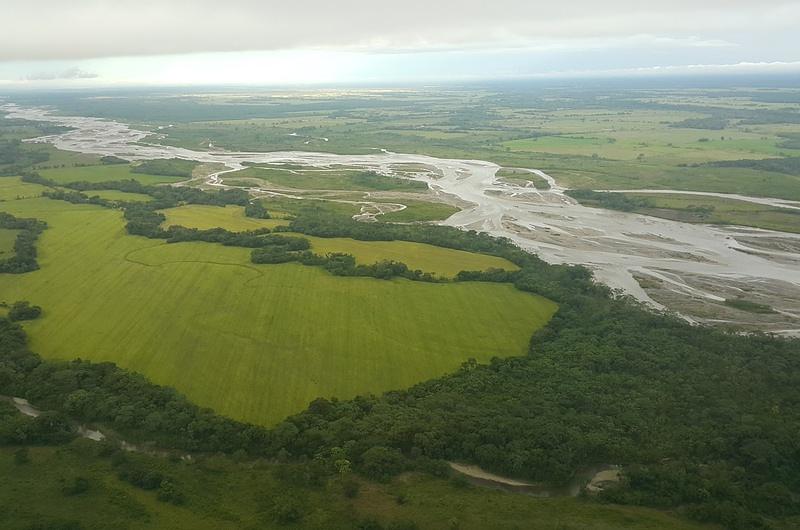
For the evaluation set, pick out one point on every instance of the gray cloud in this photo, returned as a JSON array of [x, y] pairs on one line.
[[80, 29], [69, 73]]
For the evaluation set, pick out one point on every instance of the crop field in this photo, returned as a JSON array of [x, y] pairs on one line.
[[103, 173], [13, 188], [204, 217], [116, 195], [254, 342], [7, 238], [428, 258]]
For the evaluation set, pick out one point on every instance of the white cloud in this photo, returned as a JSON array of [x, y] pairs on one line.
[[57, 29], [70, 73]]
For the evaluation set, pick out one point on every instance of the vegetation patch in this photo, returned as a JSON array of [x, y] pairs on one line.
[[748, 305], [229, 217], [331, 179], [257, 351], [428, 258], [104, 173], [173, 167], [26, 233]]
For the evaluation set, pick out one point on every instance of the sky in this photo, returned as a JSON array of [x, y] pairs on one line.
[[84, 43]]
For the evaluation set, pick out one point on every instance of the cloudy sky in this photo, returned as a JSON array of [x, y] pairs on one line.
[[118, 42]]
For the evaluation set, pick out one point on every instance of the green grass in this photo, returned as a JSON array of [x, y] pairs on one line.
[[522, 177], [294, 206], [116, 195], [12, 188], [428, 258], [7, 238], [224, 495], [229, 217], [749, 306], [103, 173], [254, 342], [335, 179], [419, 211], [714, 210]]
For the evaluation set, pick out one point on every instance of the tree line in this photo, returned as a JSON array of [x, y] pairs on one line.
[[24, 258]]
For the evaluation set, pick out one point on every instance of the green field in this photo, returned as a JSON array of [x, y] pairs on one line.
[[103, 173], [221, 494], [330, 179], [717, 210], [714, 210], [255, 342], [416, 211], [13, 188], [428, 258], [7, 238], [228, 217], [116, 195]]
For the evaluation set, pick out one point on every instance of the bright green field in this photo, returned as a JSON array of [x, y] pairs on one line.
[[204, 217], [428, 258], [103, 173], [13, 188], [7, 238], [116, 195], [253, 342]]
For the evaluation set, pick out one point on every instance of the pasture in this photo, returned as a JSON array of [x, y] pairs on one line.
[[103, 173], [121, 196], [228, 217], [715, 210], [254, 342], [12, 188], [428, 258], [329, 179], [7, 238]]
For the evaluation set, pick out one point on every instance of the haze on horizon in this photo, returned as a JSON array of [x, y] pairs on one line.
[[49, 43]]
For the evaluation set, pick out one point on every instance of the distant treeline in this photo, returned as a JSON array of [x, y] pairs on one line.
[[788, 165], [711, 123], [609, 200]]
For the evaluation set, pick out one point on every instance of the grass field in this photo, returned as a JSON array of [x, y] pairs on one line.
[[12, 188], [103, 173], [419, 211], [428, 258], [253, 342], [116, 195], [714, 210], [204, 217], [223, 495], [522, 177], [333, 179], [7, 238]]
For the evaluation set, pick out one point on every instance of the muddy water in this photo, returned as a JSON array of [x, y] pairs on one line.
[[616, 245]]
